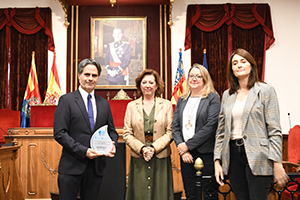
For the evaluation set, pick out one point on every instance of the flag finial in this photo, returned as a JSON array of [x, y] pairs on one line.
[[204, 50], [33, 52], [180, 49]]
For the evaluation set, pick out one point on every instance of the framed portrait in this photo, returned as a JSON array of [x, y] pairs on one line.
[[119, 45]]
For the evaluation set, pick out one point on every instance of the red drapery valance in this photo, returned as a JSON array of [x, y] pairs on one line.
[[211, 17], [229, 17], [26, 21]]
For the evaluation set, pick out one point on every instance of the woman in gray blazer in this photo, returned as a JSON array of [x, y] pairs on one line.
[[194, 128], [249, 141]]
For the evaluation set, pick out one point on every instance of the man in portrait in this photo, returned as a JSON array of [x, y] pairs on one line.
[[117, 59]]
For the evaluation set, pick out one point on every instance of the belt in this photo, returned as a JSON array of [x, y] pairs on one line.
[[239, 143], [149, 138]]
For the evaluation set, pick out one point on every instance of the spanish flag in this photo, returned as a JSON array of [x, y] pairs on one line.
[[53, 91], [180, 82], [32, 94]]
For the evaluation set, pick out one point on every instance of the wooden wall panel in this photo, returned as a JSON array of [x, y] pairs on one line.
[[9, 182], [37, 162], [177, 178], [32, 169]]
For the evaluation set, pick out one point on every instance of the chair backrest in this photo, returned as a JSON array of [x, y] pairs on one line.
[[42, 116], [118, 109], [8, 119], [294, 144]]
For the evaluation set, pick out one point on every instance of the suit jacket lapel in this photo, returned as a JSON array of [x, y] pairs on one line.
[[229, 104], [139, 106], [181, 110], [201, 104], [99, 111], [80, 104], [252, 96], [158, 107]]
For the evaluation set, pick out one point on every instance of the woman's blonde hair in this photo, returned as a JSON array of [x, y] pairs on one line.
[[208, 83]]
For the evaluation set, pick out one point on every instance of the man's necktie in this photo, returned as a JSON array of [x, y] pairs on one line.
[[90, 111]]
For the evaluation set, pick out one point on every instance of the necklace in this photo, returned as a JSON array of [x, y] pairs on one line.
[[192, 108]]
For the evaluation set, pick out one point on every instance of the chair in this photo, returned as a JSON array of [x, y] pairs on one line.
[[118, 105], [8, 119], [293, 163], [118, 109], [42, 115]]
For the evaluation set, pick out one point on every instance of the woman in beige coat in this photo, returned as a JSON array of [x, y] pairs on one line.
[[147, 132]]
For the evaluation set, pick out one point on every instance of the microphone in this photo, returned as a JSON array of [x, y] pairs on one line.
[[289, 117], [3, 130], [8, 144]]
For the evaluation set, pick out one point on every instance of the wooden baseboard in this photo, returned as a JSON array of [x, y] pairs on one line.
[[38, 199]]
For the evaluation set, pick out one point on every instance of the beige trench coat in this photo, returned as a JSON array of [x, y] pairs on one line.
[[134, 135]]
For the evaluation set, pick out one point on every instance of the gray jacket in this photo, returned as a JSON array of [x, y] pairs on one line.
[[261, 129]]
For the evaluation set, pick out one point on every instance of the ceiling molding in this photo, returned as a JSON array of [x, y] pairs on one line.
[[118, 2], [64, 6]]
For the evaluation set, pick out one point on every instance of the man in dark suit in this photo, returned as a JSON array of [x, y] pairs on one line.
[[82, 168]]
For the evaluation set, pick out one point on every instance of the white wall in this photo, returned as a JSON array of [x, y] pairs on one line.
[[282, 65], [58, 28], [281, 59]]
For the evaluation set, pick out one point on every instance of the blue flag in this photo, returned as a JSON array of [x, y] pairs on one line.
[[32, 95], [204, 61]]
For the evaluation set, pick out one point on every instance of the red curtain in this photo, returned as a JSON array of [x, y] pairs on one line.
[[23, 30], [220, 29]]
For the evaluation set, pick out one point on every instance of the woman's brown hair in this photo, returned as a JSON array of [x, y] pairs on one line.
[[158, 80], [233, 80]]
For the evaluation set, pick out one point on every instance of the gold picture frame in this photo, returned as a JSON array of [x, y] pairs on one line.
[[115, 42]]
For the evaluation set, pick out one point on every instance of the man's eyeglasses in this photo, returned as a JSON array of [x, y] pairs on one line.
[[195, 76]]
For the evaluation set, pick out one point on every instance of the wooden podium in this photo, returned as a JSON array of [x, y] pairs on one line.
[[9, 181], [37, 160], [39, 155]]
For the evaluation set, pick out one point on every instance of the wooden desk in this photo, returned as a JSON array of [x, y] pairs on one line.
[[39, 156], [37, 161], [9, 183]]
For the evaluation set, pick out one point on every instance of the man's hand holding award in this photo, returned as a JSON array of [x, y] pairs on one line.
[[102, 144]]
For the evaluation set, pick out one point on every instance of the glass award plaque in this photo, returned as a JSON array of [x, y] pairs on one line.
[[101, 141]]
